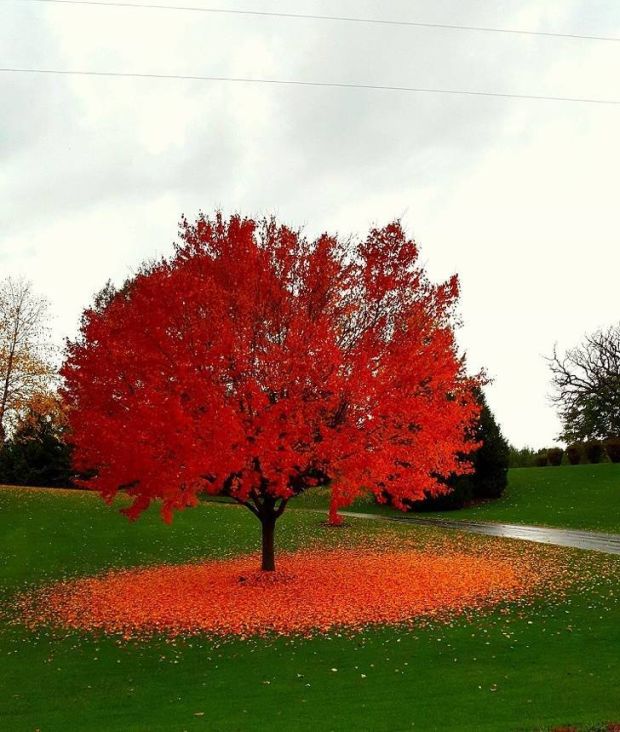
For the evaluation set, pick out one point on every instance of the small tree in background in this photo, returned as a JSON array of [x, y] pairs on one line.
[[594, 451], [574, 452], [541, 459], [613, 449], [586, 382], [521, 457], [25, 350], [258, 364], [37, 453], [554, 455]]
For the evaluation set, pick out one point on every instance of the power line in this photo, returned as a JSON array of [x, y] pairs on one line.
[[337, 18], [323, 84]]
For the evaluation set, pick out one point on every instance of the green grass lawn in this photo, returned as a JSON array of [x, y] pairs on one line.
[[571, 496], [528, 669]]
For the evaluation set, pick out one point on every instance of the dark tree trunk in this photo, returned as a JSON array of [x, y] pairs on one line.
[[268, 524], [267, 510]]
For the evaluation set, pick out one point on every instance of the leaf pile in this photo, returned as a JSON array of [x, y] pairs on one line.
[[313, 591]]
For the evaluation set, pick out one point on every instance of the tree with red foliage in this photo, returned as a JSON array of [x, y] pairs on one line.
[[257, 364]]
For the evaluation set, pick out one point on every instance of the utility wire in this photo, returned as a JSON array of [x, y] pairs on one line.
[[298, 82], [338, 18]]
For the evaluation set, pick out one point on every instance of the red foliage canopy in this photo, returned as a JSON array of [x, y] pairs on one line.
[[258, 363]]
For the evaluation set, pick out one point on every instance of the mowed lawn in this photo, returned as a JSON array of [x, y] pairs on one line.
[[570, 496], [530, 668]]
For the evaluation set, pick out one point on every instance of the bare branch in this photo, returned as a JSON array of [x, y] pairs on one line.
[[586, 383], [25, 349]]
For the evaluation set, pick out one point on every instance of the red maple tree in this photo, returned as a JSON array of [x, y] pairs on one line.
[[258, 364]]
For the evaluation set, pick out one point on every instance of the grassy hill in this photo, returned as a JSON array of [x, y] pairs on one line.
[[528, 668]]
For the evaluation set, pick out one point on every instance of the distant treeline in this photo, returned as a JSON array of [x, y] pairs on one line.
[[582, 452]]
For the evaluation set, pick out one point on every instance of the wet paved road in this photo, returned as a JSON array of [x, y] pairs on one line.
[[595, 541]]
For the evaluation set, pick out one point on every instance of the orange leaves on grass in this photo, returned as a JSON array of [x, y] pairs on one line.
[[311, 592]]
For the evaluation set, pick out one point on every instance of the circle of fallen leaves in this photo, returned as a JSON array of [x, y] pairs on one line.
[[387, 580]]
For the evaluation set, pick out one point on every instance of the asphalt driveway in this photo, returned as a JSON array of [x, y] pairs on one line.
[[593, 540]]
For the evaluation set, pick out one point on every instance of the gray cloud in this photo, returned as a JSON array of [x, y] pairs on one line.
[[94, 173]]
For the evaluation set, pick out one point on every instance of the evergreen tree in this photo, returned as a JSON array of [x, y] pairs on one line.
[[491, 460], [36, 454], [490, 463]]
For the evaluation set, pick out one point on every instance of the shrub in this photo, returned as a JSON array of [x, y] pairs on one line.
[[520, 458], [594, 451], [461, 494], [554, 455], [612, 446], [573, 452], [541, 459]]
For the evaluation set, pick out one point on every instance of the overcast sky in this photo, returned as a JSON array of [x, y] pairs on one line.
[[520, 198]]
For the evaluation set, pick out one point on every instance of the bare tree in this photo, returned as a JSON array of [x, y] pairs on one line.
[[586, 382], [25, 349]]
